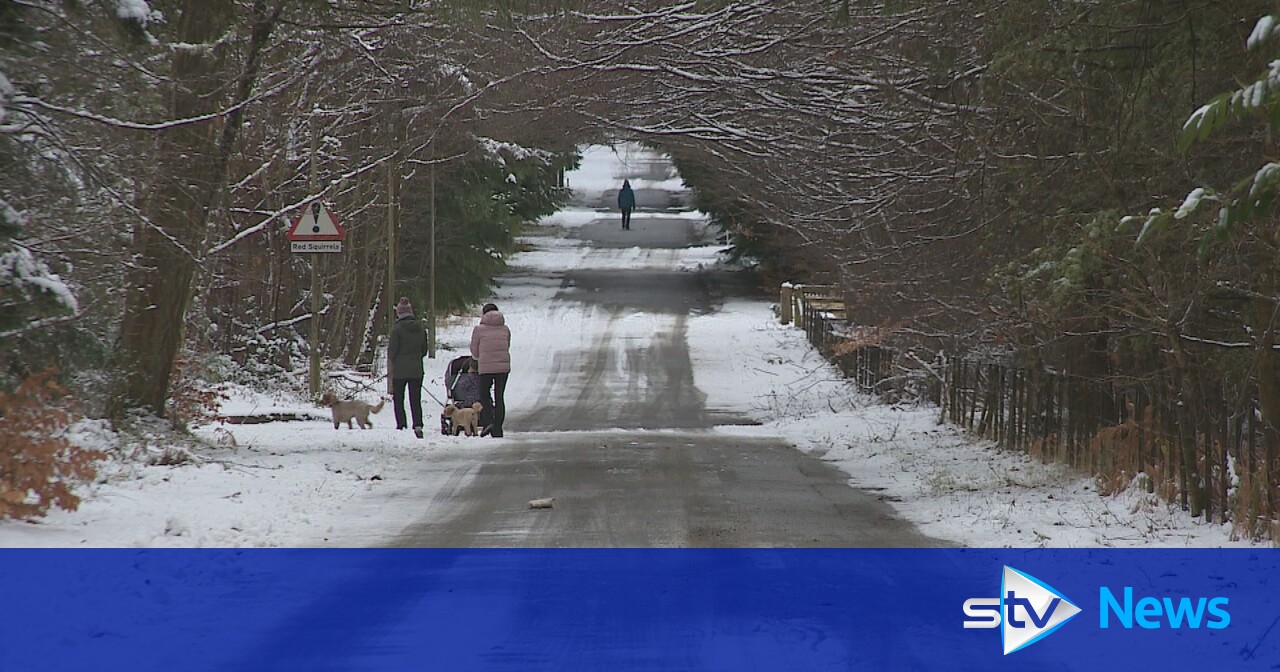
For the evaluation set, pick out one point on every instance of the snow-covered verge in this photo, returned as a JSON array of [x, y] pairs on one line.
[[948, 483]]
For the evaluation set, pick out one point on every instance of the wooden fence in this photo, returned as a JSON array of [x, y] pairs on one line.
[[1216, 458], [820, 311]]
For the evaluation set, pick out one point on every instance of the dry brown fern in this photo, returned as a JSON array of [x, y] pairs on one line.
[[39, 466]]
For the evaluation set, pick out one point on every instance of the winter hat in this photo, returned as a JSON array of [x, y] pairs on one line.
[[404, 307], [488, 308]]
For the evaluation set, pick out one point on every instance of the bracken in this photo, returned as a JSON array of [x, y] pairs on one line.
[[39, 466]]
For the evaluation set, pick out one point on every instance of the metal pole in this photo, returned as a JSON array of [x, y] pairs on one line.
[[431, 302], [392, 186], [315, 275]]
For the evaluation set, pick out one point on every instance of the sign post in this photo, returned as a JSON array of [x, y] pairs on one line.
[[316, 231]]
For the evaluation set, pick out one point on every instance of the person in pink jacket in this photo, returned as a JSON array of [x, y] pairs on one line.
[[491, 347]]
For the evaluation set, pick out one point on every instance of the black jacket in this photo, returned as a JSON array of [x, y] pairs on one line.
[[407, 347]]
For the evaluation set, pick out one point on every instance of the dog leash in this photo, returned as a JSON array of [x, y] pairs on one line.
[[433, 398]]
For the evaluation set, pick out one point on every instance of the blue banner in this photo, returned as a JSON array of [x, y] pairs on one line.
[[639, 609]]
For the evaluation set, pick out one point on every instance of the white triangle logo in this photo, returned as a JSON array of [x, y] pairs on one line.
[[1031, 610]]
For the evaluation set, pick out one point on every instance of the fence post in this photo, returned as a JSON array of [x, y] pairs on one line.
[[784, 303], [801, 307]]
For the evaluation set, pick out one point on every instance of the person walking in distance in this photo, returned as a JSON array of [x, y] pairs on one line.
[[405, 351], [626, 203], [491, 347]]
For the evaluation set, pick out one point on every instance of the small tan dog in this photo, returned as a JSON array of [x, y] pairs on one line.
[[465, 419], [346, 411]]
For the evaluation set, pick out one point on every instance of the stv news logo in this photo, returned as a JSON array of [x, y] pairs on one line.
[[1027, 610]]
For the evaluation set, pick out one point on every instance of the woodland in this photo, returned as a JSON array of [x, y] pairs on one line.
[[1067, 190]]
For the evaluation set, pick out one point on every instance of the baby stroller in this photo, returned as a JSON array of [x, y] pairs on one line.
[[456, 394]]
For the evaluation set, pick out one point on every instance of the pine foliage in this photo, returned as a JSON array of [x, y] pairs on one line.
[[1252, 196], [480, 208], [32, 298]]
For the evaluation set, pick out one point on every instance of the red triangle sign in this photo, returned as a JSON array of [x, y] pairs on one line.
[[317, 222]]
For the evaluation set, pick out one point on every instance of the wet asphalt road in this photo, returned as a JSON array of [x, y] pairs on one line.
[[684, 487]]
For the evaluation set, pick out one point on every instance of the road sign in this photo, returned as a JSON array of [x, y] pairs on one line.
[[315, 246], [317, 223]]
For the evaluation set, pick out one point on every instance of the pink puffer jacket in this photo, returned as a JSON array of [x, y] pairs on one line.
[[491, 343]]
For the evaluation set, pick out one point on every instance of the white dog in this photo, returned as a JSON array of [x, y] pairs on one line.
[[465, 419], [346, 411]]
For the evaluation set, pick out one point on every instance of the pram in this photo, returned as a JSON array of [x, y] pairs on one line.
[[456, 367]]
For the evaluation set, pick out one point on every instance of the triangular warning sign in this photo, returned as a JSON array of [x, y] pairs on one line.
[[317, 222]]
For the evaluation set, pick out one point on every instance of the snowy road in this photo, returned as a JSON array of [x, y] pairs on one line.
[[665, 490], [612, 424]]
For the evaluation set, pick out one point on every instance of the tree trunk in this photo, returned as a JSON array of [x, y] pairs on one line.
[[1187, 416], [192, 162], [1268, 383]]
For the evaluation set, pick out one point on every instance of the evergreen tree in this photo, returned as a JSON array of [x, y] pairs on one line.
[[479, 209], [32, 299]]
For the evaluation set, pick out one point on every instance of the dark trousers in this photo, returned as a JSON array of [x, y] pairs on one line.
[[495, 406], [626, 218], [415, 400]]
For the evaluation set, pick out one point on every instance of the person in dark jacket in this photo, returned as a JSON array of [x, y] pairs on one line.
[[405, 352], [491, 345], [626, 203]]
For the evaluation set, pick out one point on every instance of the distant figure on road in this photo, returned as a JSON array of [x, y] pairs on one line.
[[626, 203], [491, 345], [405, 351]]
